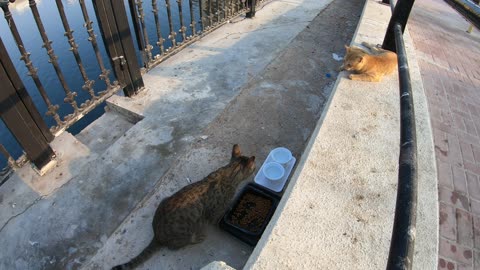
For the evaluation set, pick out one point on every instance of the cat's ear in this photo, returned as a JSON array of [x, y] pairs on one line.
[[236, 152], [251, 162], [347, 48], [360, 59]]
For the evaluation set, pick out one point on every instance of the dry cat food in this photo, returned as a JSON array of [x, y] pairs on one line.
[[251, 212]]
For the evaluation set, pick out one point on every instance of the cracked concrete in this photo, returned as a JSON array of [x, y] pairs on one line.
[[217, 92]]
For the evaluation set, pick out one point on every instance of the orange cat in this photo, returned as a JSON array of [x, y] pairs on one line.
[[369, 66]]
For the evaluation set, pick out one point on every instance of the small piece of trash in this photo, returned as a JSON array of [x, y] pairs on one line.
[[337, 57], [33, 243], [328, 75], [204, 137], [189, 181], [13, 205]]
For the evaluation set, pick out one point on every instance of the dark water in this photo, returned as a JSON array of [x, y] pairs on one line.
[[51, 20]]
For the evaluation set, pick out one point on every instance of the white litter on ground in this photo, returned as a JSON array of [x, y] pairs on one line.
[[337, 57]]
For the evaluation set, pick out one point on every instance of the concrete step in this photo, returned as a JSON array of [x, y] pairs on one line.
[[105, 131]]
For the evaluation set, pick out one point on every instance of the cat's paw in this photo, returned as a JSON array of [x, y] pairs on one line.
[[351, 77]]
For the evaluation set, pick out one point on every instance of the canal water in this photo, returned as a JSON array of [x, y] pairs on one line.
[[54, 29]]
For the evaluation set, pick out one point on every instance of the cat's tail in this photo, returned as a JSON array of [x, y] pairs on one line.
[[373, 48], [142, 257]]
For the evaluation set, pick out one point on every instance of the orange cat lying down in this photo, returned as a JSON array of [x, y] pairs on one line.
[[369, 66]]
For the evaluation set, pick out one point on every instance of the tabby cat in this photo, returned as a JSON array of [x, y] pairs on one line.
[[369, 66], [181, 218]]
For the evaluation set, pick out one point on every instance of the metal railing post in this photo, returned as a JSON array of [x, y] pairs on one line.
[[113, 22], [20, 115], [400, 15], [253, 5], [138, 32]]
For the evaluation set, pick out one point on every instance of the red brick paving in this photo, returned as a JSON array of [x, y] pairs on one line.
[[449, 60]]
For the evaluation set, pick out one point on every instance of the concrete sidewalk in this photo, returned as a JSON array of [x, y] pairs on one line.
[[260, 83], [449, 59], [280, 106], [338, 211]]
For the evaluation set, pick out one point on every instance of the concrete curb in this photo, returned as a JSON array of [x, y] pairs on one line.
[[338, 210]]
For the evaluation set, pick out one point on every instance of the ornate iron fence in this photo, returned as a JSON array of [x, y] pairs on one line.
[[195, 18], [170, 24], [78, 110]]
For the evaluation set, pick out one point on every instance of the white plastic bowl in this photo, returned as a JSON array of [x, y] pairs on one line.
[[273, 171], [281, 155]]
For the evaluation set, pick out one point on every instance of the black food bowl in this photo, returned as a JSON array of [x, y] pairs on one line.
[[250, 213]]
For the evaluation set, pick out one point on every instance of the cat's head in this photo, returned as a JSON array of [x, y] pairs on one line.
[[354, 59], [242, 166]]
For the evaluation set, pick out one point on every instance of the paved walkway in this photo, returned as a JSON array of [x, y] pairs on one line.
[[449, 60]]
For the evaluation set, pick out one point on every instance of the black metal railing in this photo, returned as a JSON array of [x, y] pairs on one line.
[[193, 19], [468, 9], [170, 24], [404, 225], [62, 123], [18, 111]]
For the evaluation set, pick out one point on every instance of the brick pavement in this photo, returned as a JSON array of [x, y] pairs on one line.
[[449, 60]]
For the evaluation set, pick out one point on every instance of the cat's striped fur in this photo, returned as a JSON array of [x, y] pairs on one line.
[[180, 219]]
